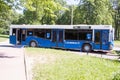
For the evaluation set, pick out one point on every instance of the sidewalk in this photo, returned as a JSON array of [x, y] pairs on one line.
[[11, 62]]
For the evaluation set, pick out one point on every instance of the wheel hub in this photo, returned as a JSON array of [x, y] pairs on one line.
[[33, 44]]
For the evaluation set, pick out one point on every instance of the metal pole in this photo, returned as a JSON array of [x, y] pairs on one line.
[[72, 16], [87, 52]]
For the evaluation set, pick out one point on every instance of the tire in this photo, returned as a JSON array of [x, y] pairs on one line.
[[33, 44], [86, 48]]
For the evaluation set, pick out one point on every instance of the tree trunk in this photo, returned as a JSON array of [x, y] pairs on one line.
[[116, 27]]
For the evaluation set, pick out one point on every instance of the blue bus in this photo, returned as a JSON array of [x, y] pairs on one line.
[[78, 37]]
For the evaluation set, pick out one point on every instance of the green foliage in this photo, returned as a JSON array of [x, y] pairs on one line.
[[6, 14], [117, 19], [4, 31], [115, 52], [117, 43], [62, 2], [41, 11], [116, 76], [94, 12], [65, 18], [53, 64], [3, 37]]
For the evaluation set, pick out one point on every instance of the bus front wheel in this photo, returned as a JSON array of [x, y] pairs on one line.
[[86, 48], [33, 44]]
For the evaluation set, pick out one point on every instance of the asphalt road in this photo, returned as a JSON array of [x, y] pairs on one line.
[[11, 62]]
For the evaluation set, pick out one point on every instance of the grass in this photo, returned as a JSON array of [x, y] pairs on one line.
[[3, 37], [51, 64], [117, 43]]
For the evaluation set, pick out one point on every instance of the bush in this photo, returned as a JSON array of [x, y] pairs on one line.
[[116, 76], [4, 31], [115, 52]]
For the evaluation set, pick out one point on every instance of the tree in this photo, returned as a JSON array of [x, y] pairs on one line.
[[41, 11], [94, 12], [7, 8], [5, 13], [116, 7], [65, 18]]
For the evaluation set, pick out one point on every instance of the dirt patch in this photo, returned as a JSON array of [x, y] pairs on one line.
[[45, 59], [41, 59]]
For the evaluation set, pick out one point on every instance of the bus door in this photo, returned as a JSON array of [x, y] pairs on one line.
[[101, 39], [21, 35], [57, 38], [13, 36]]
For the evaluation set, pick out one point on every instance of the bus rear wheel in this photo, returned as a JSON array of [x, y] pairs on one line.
[[33, 44], [86, 48]]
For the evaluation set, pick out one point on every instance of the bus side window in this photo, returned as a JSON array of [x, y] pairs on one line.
[[23, 35], [48, 34], [97, 37], [14, 32], [61, 36]]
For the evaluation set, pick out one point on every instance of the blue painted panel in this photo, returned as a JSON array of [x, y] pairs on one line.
[[104, 46], [68, 44], [75, 44], [96, 46], [60, 44], [13, 39], [72, 44], [23, 43], [41, 42]]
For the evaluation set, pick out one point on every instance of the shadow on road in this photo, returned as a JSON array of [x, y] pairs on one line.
[[92, 52], [99, 52], [6, 56], [12, 46], [7, 46]]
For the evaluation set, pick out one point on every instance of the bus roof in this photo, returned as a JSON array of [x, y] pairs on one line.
[[62, 26]]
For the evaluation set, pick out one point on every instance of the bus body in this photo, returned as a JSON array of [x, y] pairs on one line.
[[78, 37]]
